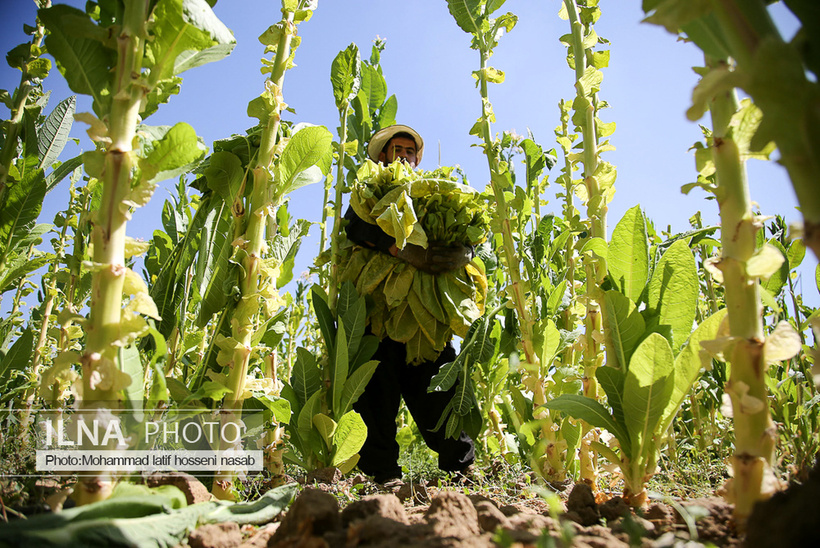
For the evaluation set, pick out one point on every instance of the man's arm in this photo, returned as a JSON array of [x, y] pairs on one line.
[[367, 235]]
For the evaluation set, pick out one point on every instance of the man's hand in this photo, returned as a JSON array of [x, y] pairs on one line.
[[436, 259]]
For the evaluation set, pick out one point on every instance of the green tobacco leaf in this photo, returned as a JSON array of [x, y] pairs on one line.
[[213, 267], [173, 154], [263, 510], [224, 175], [306, 377], [647, 390], [18, 356], [24, 201], [351, 432], [775, 282], [283, 250], [355, 385], [325, 426], [628, 257], [354, 320], [589, 410], [131, 365], [398, 284], [62, 171], [312, 407], [447, 374], [309, 147], [673, 291], [53, 134], [612, 381], [688, 366], [84, 62], [467, 14], [327, 324], [623, 327], [19, 264], [374, 87], [182, 31], [345, 75]]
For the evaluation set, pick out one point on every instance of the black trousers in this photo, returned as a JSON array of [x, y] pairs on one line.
[[379, 405]]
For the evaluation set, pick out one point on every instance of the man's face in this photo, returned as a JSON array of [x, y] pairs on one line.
[[399, 147]]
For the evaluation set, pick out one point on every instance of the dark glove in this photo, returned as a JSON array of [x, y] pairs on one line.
[[436, 259]]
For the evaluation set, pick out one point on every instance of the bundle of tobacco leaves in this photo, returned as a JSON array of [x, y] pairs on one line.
[[410, 306]]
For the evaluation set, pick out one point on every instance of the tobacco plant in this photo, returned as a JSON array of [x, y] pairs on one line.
[[128, 61], [322, 390]]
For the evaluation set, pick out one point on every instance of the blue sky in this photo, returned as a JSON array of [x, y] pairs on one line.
[[428, 65]]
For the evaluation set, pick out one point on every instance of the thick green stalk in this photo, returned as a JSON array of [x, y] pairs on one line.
[[596, 212], [755, 433], [103, 331], [498, 182], [794, 101], [333, 288], [246, 313]]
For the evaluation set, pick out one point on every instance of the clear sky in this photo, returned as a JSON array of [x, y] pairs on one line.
[[428, 65]]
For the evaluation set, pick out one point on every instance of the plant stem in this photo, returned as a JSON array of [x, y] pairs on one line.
[[755, 433], [499, 182], [246, 313], [333, 288]]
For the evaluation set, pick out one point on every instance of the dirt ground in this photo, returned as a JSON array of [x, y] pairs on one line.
[[421, 516]]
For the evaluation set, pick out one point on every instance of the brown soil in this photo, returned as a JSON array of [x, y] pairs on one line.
[[414, 515]]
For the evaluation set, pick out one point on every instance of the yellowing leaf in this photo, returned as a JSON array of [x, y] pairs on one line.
[[765, 262], [782, 344]]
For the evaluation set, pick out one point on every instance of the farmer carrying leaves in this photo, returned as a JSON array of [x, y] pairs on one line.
[[411, 240]]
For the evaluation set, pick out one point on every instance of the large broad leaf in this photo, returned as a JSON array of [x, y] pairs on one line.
[[306, 378], [168, 289], [354, 319], [374, 87], [19, 264], [131, 365], [623, 327], [612, 381], [263, 510], [310, 146], [18, 356], [448, 373], [349, 437], [355, 385], [53, 134], [673, 291], [628, 257], [213, 267], [283, 250], [181, 30], [173, 153], [84, 62], [688, 366], [466, 13], [339, 367], [647, 390], [24, 200], [589, 410], [224, 175], [327, 324], [345, 75], [62, 171]]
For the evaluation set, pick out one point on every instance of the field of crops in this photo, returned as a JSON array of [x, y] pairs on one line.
[[612, 372]]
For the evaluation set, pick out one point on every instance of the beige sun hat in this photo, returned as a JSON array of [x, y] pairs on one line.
[[385, 134]]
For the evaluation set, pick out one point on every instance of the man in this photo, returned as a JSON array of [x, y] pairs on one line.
[[394, 379]]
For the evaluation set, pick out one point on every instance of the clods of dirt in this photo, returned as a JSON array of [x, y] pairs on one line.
[[453, 519]]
